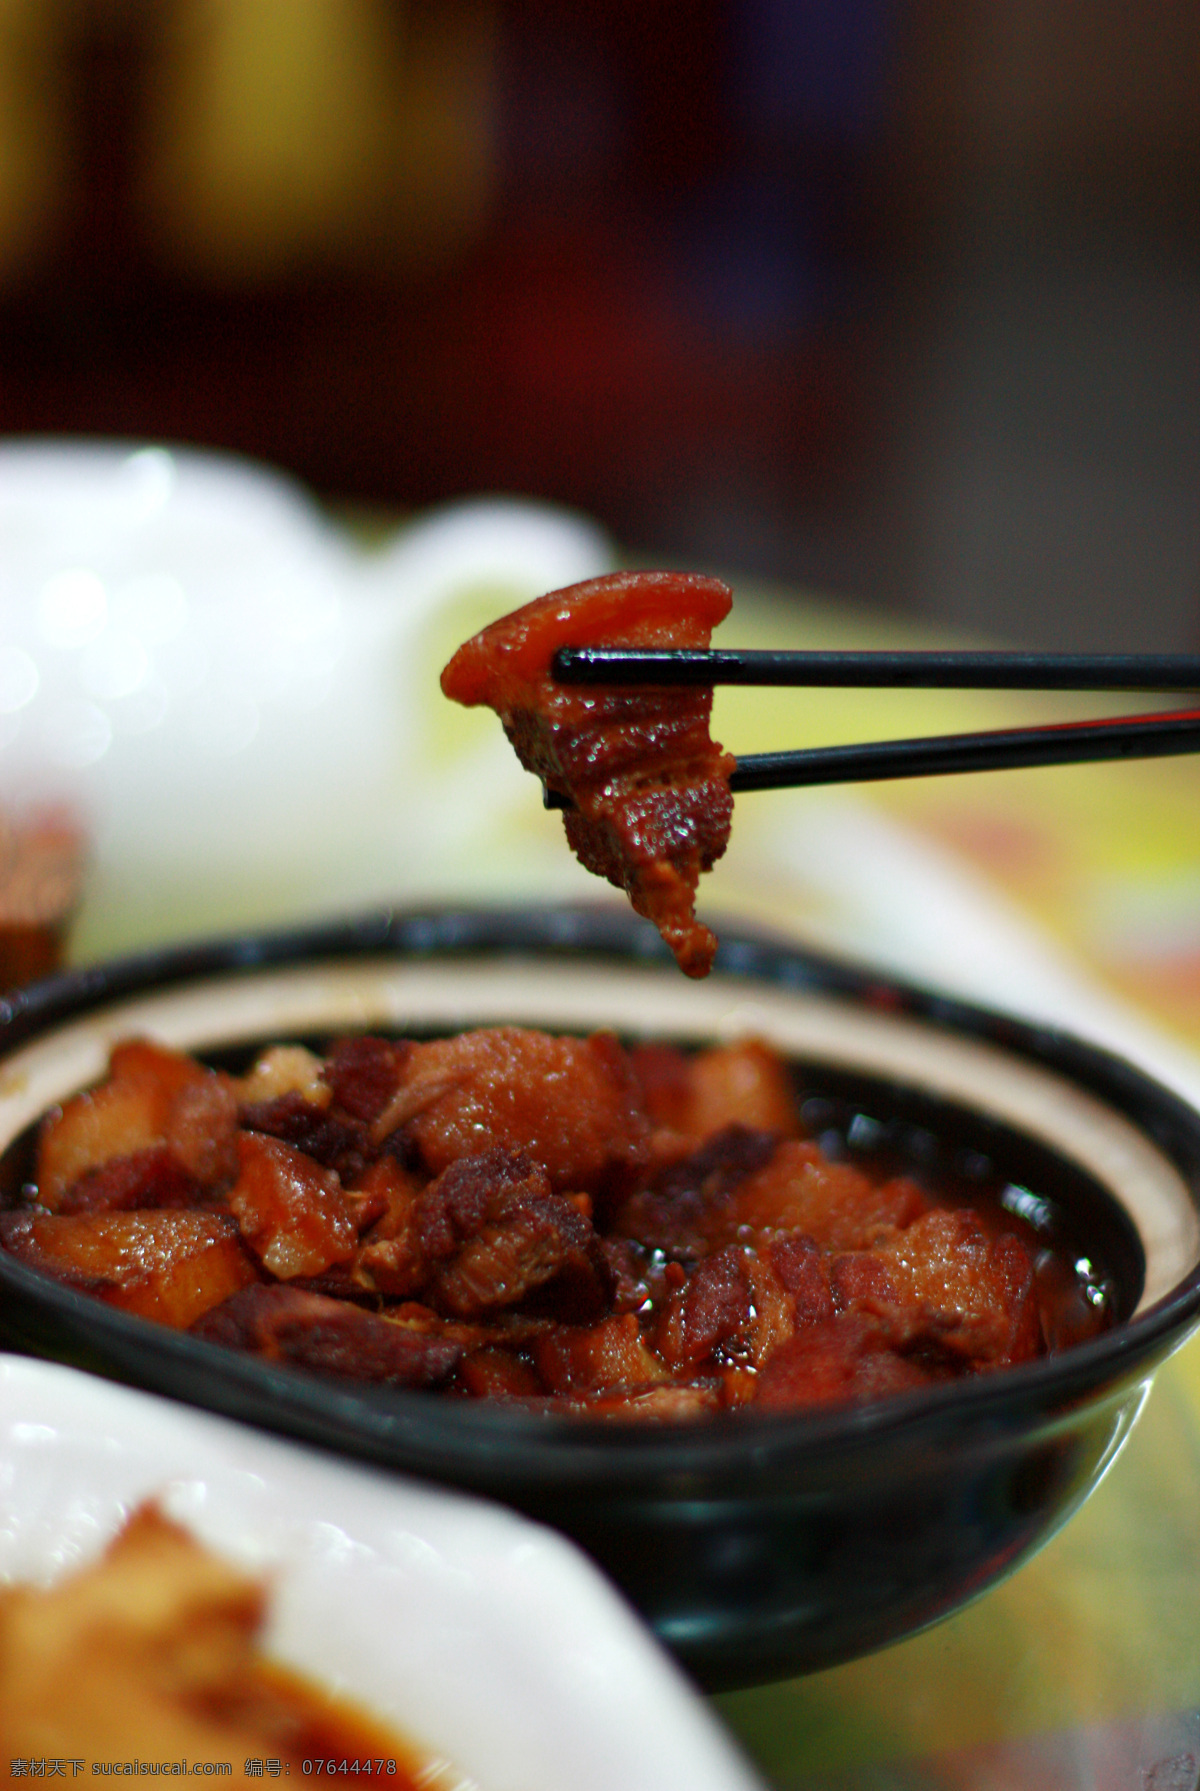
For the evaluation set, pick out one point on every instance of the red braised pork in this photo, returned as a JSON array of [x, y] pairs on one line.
[[561, 1224], [648, 791]]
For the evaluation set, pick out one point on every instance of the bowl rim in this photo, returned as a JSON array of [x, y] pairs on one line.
[[452, 1440]]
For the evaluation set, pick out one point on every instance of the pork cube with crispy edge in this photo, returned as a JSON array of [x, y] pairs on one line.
[[169, 1266], [570, 1104], [153, 1098], [292, 1212]]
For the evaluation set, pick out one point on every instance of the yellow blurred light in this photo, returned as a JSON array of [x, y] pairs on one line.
[[288, 132], [33, 157]]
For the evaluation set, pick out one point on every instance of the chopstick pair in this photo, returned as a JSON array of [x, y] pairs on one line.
[[1157, 735]]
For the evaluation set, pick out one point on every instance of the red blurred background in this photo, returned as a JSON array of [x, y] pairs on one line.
[[900, 299]]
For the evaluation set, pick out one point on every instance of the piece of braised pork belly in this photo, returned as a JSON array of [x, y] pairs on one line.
[[651, 804]]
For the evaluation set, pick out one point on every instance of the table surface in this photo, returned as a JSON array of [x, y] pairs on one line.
[[1071, 891]]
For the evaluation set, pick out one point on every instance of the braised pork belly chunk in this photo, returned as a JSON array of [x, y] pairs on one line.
[[649, 791], [158, 1650], [564, 1224]]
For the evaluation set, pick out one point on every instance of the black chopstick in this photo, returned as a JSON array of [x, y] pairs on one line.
[[939, 755], [998, 749], [918, 670]]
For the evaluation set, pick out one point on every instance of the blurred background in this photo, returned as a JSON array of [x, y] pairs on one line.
[[899, 301]]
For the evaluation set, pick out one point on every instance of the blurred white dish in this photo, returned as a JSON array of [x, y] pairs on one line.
[[237, 698], [479, 1635]]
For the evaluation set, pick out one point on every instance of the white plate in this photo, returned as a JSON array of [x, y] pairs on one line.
[[480, 1635]]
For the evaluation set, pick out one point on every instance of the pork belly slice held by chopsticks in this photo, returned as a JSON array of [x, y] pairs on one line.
[[649, 789]]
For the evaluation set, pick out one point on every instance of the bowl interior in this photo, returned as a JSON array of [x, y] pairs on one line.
[[1066, 1160]]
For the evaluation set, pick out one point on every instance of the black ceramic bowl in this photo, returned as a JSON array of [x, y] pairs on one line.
[[756, 1545]]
